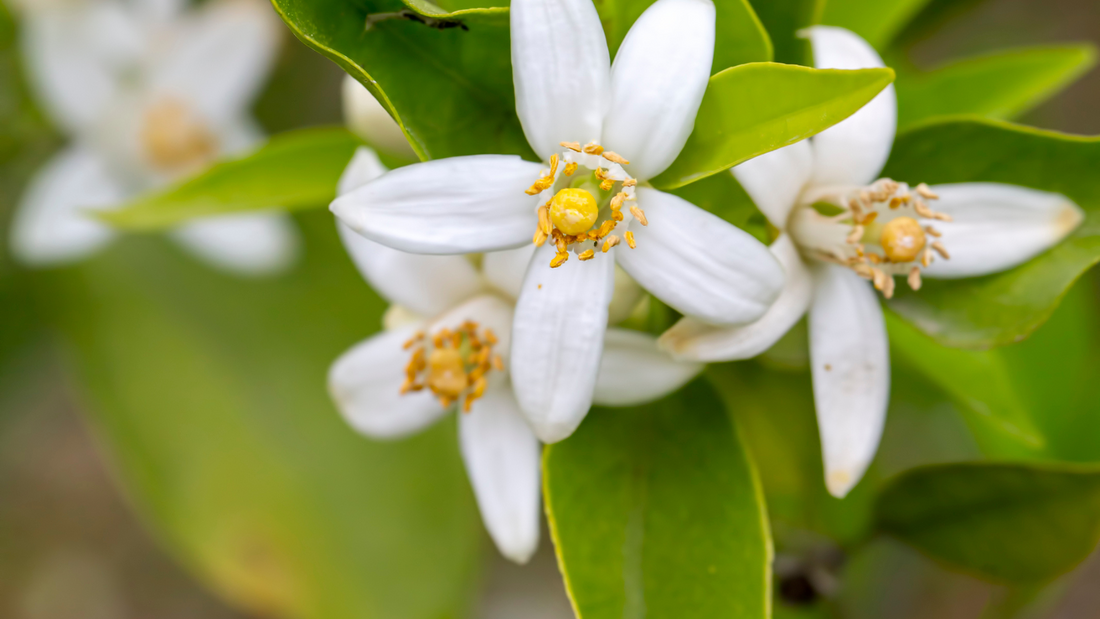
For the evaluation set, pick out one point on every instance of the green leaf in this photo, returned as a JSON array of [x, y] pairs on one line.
[[979, 381], [722, 195], [741, 37], [1009, 523], [1001, 85], [783, 19], [655, 511], [446, 77], [293, 170], [756, 108], [1005, 307], [209, 393], [877, 21]]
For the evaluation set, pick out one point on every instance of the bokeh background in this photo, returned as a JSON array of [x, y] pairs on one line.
[[73, 545]]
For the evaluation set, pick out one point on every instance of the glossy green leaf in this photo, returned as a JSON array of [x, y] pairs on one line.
[[783, 19], [722, 195], [209, 393], [756, 108], [877, 21], [294, 170], [655, 512], [1012, 523], [741, 37], [1001, 85], [979, 381], [1005, 307], [443, 72]]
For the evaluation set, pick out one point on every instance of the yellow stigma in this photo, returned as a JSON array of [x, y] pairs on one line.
[[446, 372], [573, 211], [902, 239]]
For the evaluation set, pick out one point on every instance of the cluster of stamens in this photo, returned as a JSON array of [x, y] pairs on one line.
[[452, 364], [569, 216], [887, 236]]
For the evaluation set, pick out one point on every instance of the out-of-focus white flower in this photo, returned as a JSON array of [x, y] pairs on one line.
[[588, 207], [838, 228], [447, 348], [148, 93], [366, 117]]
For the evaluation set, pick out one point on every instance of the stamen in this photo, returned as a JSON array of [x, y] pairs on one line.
[[941, 250], [573, 146], [559, 259], [914, 278], [588, 254], [924, 191], [570, 168], [609, 243], [630, 239], [592, 148], [615, 157], [639, 215], [453, 364]]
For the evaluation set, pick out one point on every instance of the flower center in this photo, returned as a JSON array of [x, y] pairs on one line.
[[876, 231], [175, 138], [452, 364], [571, 216]]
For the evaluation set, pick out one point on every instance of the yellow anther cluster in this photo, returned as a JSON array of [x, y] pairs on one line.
[[903, 239], [175, 138], [452, 364], [572, 215]]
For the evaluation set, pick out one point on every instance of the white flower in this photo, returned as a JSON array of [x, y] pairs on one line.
[[869, 231], [147, 94], [603, 130], [448, 339], [366, 117]]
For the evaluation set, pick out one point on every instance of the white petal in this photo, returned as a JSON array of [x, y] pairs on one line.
[[853, 151], [505, 269], [774, 180], [427, 285], [657, 83], [50, 224], [698, 263], [365, 166], [447, 206], [561, 69], [77, 55], [243, 243], [851, 373], [625, 298], [366, 117], [557, 339], [695, 340], [634, 371], [365, 383], [502, 458], [219, 58], [997, 227]]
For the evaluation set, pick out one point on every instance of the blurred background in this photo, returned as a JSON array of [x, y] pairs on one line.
[[244, 516]]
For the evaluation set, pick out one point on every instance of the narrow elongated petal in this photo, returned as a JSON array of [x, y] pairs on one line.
[[448, 206], [695, 340], [51, 223], [774, 180], [698, 263], [996, 227], [219, 58], [505, 270], [502, 458], [851, 373], [853, 151], [557, 340], [561, 69], [76, 57], [365, 384], [657, 83], [427, 285], [245, 244], [634, 371]]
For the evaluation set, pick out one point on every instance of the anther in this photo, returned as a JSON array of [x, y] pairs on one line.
[[570, 168], [539, 239], [611, 241], [559, 259], [630, 182], [587, 254], [914, 278], [630, 239], [573, 146], [932, 231], [615, 157], [941, 250], [639, 215], [592, 148], [855, 235], [924, 191]]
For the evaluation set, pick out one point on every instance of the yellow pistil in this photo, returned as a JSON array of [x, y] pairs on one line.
[[902, 239], [452, 364], [573, 211]]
